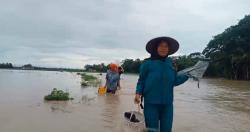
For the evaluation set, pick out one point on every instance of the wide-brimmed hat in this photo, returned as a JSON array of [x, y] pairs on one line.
[[172, 43]]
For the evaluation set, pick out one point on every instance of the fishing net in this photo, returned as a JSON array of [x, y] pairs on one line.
[[134, 119], [197, 71]]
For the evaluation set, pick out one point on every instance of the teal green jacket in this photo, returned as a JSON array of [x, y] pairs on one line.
[[157, 80]]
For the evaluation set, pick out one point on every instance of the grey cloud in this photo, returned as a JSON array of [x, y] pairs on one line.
[[52, 33]]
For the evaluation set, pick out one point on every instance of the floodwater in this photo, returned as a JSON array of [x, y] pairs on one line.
[[217, 106]]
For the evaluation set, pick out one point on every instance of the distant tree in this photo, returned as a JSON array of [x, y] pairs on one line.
[[96, 67], [6, 65], [131, 66], [27, 67], [230, 52], [184, 61]]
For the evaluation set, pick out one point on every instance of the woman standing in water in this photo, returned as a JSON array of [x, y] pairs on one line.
[[112, 79], [156, 82]]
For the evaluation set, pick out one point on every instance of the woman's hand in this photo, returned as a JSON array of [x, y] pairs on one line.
[[137, 99]]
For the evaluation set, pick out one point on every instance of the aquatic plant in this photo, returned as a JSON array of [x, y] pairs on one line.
[[89, 80], [84, 83], [87, 77], [57, 95]]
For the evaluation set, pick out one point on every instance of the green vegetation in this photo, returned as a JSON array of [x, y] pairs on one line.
[[184, 61], [30, 67], [230, 52], [96, 68], [131, 66], [87, 77], [6, 65], [27, 67], [57, 95], [58, 69], [88, 80], [180, 62]]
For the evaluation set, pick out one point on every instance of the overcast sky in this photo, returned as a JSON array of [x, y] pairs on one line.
[[72, 33]]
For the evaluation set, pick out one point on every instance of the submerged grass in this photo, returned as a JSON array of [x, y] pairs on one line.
[[88, 80], [57, 95], [87, 77]]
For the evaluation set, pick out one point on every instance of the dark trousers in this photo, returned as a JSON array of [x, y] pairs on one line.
[[156, 114]]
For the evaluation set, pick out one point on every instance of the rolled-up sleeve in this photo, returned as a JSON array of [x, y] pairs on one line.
[[180, 79], [142, 78]]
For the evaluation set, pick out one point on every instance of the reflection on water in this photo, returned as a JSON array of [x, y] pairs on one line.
[[61, 106], [219, 105]]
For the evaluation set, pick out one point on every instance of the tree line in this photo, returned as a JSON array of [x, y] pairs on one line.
[[30, 67], [133, 65], [6, 65], [229, 52]]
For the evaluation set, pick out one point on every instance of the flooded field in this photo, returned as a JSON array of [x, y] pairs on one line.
[[217, 106]]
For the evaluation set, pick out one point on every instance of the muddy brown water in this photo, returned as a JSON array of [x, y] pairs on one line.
[[217, 106]]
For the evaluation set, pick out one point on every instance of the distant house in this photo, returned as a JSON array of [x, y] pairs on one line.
[[27, 67]]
